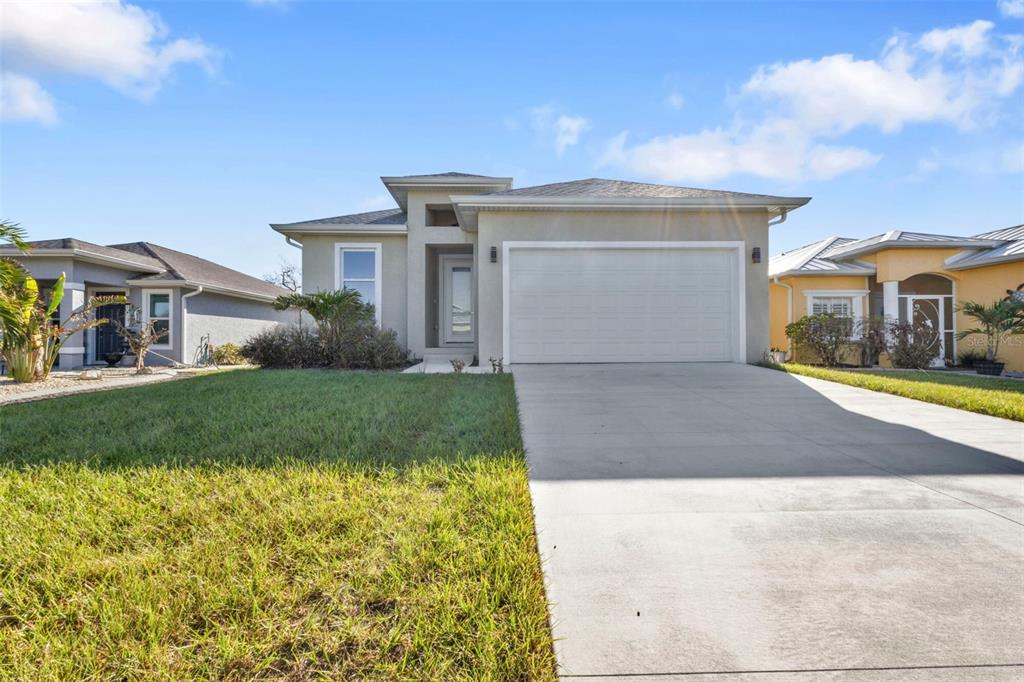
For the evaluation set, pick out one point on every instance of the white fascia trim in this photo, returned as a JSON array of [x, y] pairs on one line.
[[86, 256], [170, 317], [208, 288], [397, 229], [738, 246], [74, 286], [378, 283], [483, 202], [71, 350], [883, 245], [859, 272]]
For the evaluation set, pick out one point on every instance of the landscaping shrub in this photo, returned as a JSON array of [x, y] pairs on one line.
[[910, 346], [227, 354], [363, 346], [969, 358], [823, 334], [284, 347], [872, 339]]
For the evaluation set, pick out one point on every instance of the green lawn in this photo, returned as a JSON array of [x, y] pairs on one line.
[[271, 525], [984, 395]]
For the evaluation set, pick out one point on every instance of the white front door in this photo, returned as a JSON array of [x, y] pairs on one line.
[[623, 304], [929, 313], [457, 300]]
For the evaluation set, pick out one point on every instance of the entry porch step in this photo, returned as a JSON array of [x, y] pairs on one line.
[[439, 361]]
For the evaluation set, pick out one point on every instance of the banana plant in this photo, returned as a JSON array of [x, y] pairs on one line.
[[30, 339]]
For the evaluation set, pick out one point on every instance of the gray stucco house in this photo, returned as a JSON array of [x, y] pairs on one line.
[[585, 271], [189, 297]]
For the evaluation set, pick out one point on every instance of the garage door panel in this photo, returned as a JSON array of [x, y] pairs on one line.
[[622, 305]]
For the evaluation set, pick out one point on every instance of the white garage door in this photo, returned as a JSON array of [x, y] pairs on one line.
[[657, 304]]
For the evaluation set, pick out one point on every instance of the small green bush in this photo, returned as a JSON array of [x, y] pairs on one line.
[[227, 354], [911, 347], [360, 346], [969, 358], [824, 334]]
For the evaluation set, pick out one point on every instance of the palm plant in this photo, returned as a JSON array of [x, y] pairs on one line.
[[995, 322]]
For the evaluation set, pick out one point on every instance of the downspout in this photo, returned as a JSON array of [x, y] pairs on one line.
[[783, 214], [789, 311], [184, 320]]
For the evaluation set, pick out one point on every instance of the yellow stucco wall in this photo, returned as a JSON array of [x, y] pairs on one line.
[[778, 300], [983, 285], [896, 265], [987, 285]]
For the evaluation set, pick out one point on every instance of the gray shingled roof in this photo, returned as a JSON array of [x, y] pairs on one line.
[[196, 270], [620, 189], [69, 243], [170, 265], [448, 174], [388, 216]]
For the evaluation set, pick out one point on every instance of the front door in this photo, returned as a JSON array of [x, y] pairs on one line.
[[108, 340], [928, 313], [457, 300]]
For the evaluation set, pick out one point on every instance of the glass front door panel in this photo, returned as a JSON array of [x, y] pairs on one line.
[[462, 301]]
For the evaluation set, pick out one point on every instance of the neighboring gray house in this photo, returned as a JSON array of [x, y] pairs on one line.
[[586, 271], [189, 297]]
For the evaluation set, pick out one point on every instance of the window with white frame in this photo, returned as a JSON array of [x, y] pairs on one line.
[[358, 268], [840, 306], [157, 308]]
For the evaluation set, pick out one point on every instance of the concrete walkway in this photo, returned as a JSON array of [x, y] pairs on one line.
[[752, 525]]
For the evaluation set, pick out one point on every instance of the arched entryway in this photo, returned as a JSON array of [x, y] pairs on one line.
[[927, 300]]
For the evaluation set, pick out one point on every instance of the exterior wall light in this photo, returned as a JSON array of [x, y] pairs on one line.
[[755, 254], [494, 254]]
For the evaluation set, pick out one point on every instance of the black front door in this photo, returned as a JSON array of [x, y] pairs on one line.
[[107, 338]]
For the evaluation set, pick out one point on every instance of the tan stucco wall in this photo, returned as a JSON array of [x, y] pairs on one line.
[[318, 273], [987, 285], [420, 236], [497, 227]]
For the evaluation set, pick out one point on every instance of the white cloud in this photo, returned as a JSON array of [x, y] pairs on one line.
[[120, 44], [565, 130], [23, 99], [970, 40], [1011, 8], [675, 101], [958, 76]]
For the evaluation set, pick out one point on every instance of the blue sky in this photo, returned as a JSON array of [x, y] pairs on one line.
[[195, 124]]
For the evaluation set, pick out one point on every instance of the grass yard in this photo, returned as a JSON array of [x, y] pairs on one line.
[[271, 525], [996, 397]]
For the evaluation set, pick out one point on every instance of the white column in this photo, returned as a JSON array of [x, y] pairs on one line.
[[72, 353], [891, 300]]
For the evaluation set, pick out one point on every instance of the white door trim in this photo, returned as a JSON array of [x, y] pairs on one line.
[[446, 261], [740, 348]]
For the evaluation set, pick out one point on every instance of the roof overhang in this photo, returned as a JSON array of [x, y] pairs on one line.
[[210, 288], [399, 186], [299, 229], [468, 207], [841, 272], [842, 253], [967, 261], [79, 254]]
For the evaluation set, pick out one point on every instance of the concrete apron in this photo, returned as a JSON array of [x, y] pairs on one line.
[[728, 519]]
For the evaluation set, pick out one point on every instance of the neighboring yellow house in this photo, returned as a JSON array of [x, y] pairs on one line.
[[923, 277]]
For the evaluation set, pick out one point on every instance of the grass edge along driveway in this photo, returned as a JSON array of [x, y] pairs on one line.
[[271, 524], [995, 397]]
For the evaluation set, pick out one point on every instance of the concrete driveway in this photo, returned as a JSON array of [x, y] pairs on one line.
[[728, 519]]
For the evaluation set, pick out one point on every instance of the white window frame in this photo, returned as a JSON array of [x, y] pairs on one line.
[[856, 297], [146, 295], [739, 350], [378, 280]]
